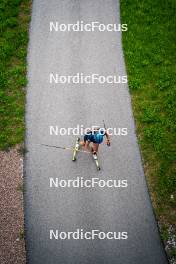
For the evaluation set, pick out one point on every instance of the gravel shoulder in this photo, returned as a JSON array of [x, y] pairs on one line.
[[12, 246]]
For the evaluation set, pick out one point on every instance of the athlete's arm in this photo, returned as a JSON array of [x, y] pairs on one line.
[[107, 138]]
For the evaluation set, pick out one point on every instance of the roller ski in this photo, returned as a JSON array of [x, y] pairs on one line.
[[95, 158], [76, 149]]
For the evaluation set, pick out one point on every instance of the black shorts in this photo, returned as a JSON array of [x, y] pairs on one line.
[[90, 138]]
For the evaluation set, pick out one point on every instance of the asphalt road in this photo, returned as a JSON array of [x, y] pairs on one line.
[[67, 105]]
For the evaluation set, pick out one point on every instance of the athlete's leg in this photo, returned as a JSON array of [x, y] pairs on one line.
[[82, 143], [95, 147], [86, 146], [85, 143]]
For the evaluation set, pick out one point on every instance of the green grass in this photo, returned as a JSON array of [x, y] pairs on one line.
[[20, 188], [150, 55], [21, 234], [14, 24]]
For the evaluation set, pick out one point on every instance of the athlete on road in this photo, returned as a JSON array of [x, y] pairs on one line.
[[96, 136]]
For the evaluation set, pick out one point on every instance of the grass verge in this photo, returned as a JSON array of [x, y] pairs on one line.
[[14, 25], [150, 55]]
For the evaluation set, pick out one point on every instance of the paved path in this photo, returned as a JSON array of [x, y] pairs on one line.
[[67, 209]]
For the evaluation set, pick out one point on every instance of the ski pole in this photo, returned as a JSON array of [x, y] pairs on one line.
[[108, 144], [64, 148], [104, 125]]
